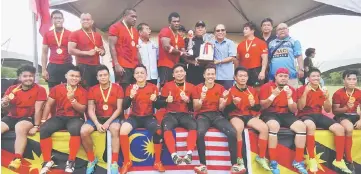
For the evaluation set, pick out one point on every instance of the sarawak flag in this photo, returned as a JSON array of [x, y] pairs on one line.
[[41, 10], [32, 158]]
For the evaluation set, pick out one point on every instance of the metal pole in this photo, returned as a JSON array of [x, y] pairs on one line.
[[35, 44]]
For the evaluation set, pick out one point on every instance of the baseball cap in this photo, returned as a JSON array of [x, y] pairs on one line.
[[182, 28], [282, 70], [200, 23]]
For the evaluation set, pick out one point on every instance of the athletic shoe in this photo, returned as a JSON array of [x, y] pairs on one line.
[[342, 166], [238, 169], [300, 166], [15, 164], [350, 166], [159, 166], [114, 168], [176, 159], [202, 169], [263, 162], [313, 165], [69, 166], [126, 167], [188, 158], [90, 169], [274, 167], [47, 166]]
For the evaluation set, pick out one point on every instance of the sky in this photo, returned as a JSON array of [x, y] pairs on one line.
[[332, 36]]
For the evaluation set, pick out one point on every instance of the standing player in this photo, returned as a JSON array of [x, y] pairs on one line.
[[60, 61], [243, 105], [24, 103], [141, 96], [278, 108], [344, 105], [209, 99], [87, 46], [176, 98], [70, 101], [104, 107]]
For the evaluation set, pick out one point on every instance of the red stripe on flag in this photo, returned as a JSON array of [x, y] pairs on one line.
[[207, 138], [216, 158], [180, 167], [215, 148], [180, 130]]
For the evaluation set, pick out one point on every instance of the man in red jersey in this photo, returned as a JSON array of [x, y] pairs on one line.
[[104, 108], [123, 45], [278, 108], [253, 55], [209, 99], [242, 108], [24, 102], [171, 48], [70, 100], [176, 98], [86, 45], [141, 96], [60, 61], [344, 105]]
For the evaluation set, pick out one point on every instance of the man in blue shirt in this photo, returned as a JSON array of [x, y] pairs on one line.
[[224, 55], [282, 52]]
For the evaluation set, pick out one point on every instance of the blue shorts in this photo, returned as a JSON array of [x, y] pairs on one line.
[[91, 123]]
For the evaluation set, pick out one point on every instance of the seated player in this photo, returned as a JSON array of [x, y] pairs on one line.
[[104, 107], [70, 101], [242, 107], [209, 100], [176, 98], [311, 100], [344, 105], [24, 103], [141, 96], [278, 108]]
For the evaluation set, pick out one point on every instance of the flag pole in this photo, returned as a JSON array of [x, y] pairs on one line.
[[35, 47]]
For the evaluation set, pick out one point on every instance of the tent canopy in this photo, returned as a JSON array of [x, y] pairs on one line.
[[232, 13]]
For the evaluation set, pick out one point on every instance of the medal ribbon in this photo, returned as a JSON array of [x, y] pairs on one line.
[[349, 96], [129, 31], [184, 87], [102, 92], [18, 88], [58, 41], [248, 46], [175, 38], [70, 89], [93, 41]]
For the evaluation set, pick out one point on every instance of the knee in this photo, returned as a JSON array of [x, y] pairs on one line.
[[273, 126], [262, 128], [84, 132], [231, 133], [201, 132], [310, 126], [114, 130], [44, 133], [299, 126], [125, 129], [19, 130], [349, 130], [337, 129], [167, 126], [192, 126]]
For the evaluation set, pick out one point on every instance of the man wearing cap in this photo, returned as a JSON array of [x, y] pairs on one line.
[[282, 52], [278, 106], [182, 31]]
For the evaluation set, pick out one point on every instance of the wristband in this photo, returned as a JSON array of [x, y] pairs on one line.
[[290, 101], [171, 49], [272, 97], [36, 126]]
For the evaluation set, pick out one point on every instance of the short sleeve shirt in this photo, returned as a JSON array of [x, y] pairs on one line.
[[165, 58], [314, 101], [340, 97], [141, 103], [50, 40], [257, 48], [178, 105], [211, 102], [222, 50], [243, 107]]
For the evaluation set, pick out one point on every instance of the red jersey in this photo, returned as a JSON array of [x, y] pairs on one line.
[[243, 107], [340, 97], [23, 104], [141, 103], [95, 94], [85, 43], [50, 40], [280, 103], [256, 48], [178, 105], [211, 102], [126, 52], [165, 58], [314, 101], [63, 104]]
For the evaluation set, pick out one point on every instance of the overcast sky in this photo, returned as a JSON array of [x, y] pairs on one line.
[[334, 37]]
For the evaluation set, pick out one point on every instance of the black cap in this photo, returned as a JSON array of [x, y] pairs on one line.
[[200, 23], [182, 28]]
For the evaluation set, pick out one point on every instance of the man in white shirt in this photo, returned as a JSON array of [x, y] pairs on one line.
[[148, 52]]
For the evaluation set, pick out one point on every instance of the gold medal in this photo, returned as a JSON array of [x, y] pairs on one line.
[[133, 43], [58, 41], [182, 94], [204, 89], [12, 93], [250, 97], [175, 38], [247, 48], [11, 96], [352, 100], [247, 55], [135, 87], [131, 34], [59, 51], [70, 90], [105, 107]]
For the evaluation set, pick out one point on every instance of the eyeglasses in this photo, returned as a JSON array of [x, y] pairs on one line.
[[220, 30], [279, 29]]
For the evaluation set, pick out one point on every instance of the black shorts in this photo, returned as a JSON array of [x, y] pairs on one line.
[[244, 118], [173, 120], [89, 75], [126, 78], [57, 123], [353, 118], [253, 77], [149, 122], [165, 75], [284, 119], [12, 121], [320, 120], [57, 73]]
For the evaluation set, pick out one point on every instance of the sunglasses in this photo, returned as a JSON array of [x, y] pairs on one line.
[[220, 30]]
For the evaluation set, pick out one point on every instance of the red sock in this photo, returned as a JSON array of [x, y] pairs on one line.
[[18, 156], [340, 147], [239, 149], [310, 143], [90, 155], [191, 140], [262, 145], [115, 157], [348, 148], [124, 143], [169, 141], [272, 153], [157, 152], [299, 154], [46, 145], [74, 145]]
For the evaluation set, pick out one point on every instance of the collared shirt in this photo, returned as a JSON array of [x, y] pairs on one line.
[[149, 55], [271, 38], [284, 56], [222, 50]]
